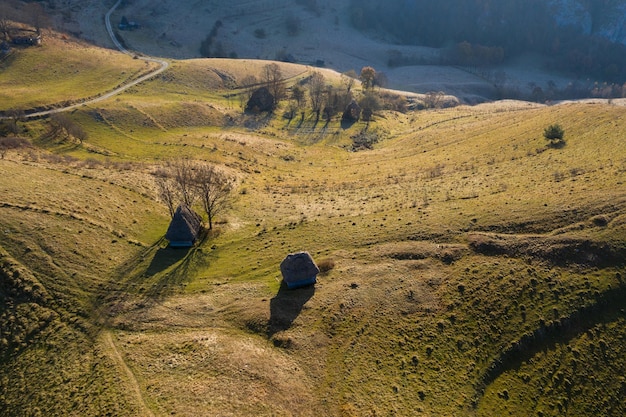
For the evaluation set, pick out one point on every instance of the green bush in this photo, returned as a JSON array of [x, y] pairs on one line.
[[554, 133]]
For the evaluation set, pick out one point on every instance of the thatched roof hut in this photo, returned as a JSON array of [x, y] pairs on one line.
[[260, 101], [184, 227], [299, 270], [352, 113]]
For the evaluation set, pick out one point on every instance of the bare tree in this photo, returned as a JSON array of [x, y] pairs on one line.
[[213, 188], [273, 78], [348, 78], [183, 181], [182, 170], [248, 84], [167, 190], [63, 125], [317, 85], [8, 143], [298, 95], [14, 116], [434, 99]]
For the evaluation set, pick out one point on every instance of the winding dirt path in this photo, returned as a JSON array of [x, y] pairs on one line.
[[130, 378], [164, 65]]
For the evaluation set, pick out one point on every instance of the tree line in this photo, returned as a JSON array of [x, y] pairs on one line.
[[316, 93], [478, 28]]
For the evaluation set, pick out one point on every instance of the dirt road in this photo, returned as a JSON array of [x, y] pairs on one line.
[[164, 65]]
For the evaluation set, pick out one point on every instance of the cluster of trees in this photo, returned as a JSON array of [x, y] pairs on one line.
[[61, 127], [189, 182], [314, 92], [210, 47], [496, 29]]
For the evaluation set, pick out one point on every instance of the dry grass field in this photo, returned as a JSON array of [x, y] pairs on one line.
[[48, 76], [476, 270]]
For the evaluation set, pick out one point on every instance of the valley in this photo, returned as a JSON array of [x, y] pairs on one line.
[[471, 267]]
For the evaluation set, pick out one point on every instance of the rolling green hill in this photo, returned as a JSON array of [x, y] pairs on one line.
[[475, 269]]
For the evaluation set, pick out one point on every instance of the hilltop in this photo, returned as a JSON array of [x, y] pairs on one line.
[[471, 267]]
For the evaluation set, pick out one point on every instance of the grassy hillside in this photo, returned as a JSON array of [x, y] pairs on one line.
[[61, 71], [477, 271]]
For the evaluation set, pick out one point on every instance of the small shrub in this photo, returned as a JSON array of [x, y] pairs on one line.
[[326, 265], [554, 133], [12, 143]]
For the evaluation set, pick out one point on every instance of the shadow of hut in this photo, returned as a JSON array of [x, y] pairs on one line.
[[286, 307]]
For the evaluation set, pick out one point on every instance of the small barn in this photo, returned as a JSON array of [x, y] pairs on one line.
[[299, 270], [184, 227], [352, 113], [261, 101]]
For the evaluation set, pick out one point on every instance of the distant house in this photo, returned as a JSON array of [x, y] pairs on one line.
[[352, 112], [184, 228], [261, 101], [299, 270], [32, 40], [5, 48], [125, 24]]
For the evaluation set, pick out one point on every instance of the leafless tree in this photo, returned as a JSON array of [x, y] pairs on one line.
[[184, 181], [183, 174], [14, 116], [167, 190], [11, 142], [273, 78], [347, 80], [298, 95], [317, 85], [213, 188], [434, 99], [248, 83], [63, 125]]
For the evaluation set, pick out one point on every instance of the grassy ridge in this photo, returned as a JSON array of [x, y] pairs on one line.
[[456, 237], [49, 75], [67, 233]]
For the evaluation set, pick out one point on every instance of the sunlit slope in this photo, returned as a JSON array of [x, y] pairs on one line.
[[63, 236], [476, 269], [61, 72]]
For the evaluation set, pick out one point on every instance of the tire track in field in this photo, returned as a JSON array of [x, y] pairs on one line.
[[131, 380]]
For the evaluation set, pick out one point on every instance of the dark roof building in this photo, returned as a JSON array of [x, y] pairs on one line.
[[184, 227]]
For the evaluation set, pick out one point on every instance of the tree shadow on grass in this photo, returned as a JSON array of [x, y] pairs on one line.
[[165, 258], [170, 267], [286, 307], [347, 123]]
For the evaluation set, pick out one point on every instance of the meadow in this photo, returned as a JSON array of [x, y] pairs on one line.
[[476, 270]]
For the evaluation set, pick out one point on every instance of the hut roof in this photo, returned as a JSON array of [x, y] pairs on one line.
[[352, 112], [299, 269], [185, 225]]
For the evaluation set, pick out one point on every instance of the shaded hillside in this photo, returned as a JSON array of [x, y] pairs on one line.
[[575, 35]]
